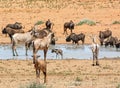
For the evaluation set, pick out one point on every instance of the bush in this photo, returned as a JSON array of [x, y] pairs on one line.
[[86, 21], [116, 22], [39, 23], [35, 85], [118, 86]]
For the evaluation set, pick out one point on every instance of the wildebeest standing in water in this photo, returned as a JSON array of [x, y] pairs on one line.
[[76, 38], [117, 45], [104, 34], [111, 41], [68, 25]]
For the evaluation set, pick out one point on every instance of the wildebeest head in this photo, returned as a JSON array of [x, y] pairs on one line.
[[72, 36], [68, 39], [4, 31], [48, 24]]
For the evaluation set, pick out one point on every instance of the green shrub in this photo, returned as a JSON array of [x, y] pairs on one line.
[[86, 21], [78, 79], [118, 86], [39, 22], [116, 22]]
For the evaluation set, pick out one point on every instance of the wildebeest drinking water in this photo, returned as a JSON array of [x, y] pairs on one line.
[[68, 25], [111, 41], [76, 38], [104, 34]]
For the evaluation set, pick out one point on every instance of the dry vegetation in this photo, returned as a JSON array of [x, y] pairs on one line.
[[73, 73]]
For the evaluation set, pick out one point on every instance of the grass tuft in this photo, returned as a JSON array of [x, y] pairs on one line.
[[118, 86], [86, 21], [116, 22], [34, 85], [39, 22], [78, 79]]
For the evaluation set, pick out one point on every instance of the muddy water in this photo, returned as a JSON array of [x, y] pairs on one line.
[[70, 52]]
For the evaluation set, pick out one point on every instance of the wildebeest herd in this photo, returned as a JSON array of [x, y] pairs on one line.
[[40, 39]]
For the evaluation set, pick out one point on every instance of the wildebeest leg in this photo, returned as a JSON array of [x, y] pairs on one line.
[[45, 52], [65, 31], [10, 37], [83, 41], [38, 75], [93, 59], [56, 55], [13, 50], [45, 76], [62, 56], [16, 52], [34, 54], [26, 47], [71, 31], [96, 56], [101, 41]]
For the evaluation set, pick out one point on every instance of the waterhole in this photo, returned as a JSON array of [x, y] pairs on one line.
[[69, 52]]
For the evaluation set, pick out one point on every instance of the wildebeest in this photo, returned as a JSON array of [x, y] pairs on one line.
[[16, 25], [68, 25], [104, 34], [111, 41], [10, 31], [76, 38], [117, 45], [58, 52], [49, 24]]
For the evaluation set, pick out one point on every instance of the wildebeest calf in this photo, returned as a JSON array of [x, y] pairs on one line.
[[58, 52]]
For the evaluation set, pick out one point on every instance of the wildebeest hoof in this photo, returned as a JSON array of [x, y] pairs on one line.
[[97, 64], [93, 64]]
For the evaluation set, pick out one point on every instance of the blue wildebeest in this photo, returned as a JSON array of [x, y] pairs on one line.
[[104, 34], [76, 38], [68, 25]]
